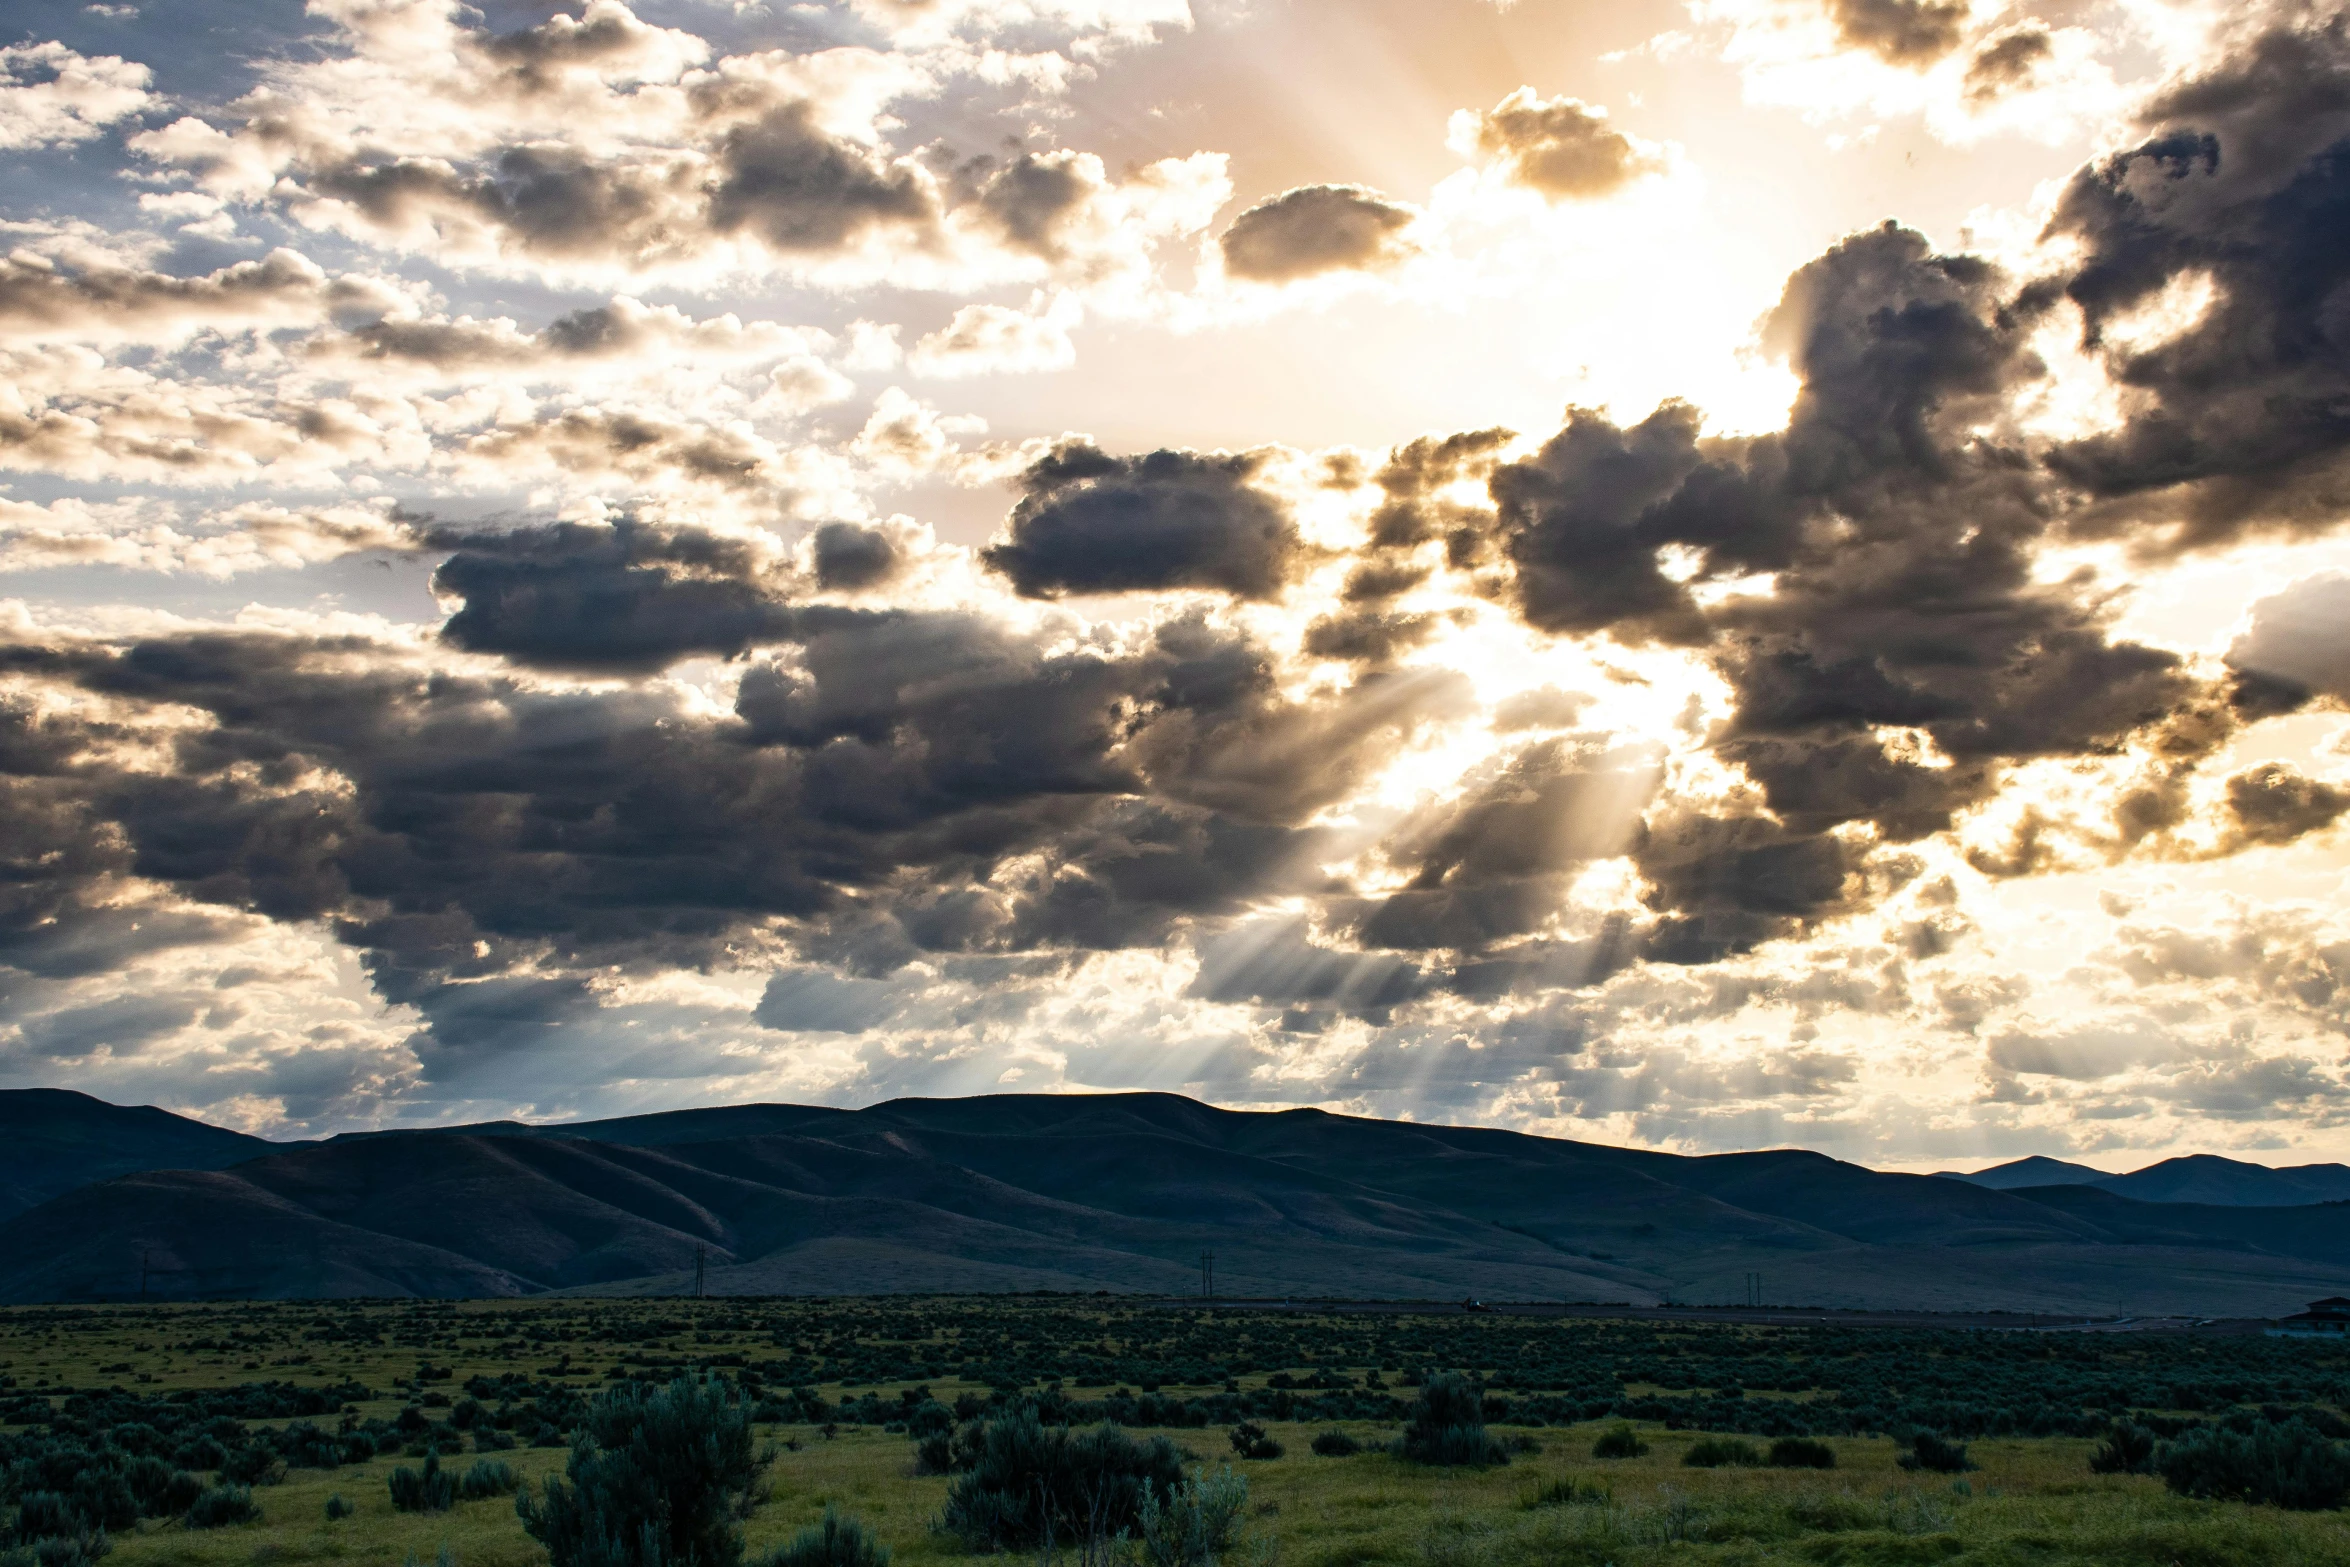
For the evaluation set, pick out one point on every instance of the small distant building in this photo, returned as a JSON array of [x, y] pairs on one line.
[[2328, 1318]]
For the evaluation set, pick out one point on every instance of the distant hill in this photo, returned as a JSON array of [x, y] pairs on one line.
[[53, 1140], [2208, 1178], [2034, 1171], [1124, 1192]]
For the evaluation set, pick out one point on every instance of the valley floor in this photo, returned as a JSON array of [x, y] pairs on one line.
[[2032, 1501], [482, 1377]]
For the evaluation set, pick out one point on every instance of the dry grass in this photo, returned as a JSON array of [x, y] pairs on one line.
[[2032, 1504]]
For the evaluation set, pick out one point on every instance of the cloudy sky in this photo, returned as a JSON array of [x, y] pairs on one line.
[[1705, 575]]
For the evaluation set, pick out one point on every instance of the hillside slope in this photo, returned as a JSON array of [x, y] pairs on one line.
[[1125, 1192], [53, 1140]]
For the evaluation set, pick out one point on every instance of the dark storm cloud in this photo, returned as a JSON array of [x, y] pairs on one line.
[[121, 1025], [1088, 522], [40, 298], [1583, 520], [2298, 644], [1490, 865], [851, 557], [1900, 32], [817, 1001], [1276, 962], [1562, 147], [554, 200], [2273, 804], [1367, 636], [1901, 543], [535, 57], [1315, 229], [2008, 61], [618, 597], [2242, 418], [801, 190], [485, 841], [1031, 198]]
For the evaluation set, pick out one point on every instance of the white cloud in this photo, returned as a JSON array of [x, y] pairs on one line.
[[52, 96]]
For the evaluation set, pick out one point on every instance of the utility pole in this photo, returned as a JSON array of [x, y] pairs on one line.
[[701, 1259], [1207, 1274], [143, 1256]]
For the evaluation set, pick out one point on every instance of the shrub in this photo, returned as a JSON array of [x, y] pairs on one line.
[[488, 1477], [1196, 1523], [103, 1500], [1928, 1451], [657, 1478], [423, 1491], [2289, 1465], [219, 1506], [337, 1509], [2128, 1449], [1447, 1425], [1023, 1483], [253, 1465], [836, 1542], [161, 1491], [934, 1454], [1249, 1441], [1567, 1492], [1802, 1452], [80, 1548], [1336, 1444], [1713, 1452], [45, 1515], [1618, 1442], [489, 1439]]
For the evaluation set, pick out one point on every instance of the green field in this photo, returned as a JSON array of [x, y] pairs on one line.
[[2030, 1500]]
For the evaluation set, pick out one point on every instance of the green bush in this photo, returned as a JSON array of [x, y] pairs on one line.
[[80, 1549], [1715, 1452], [657, 1478], [46, 1515], [1447, 1425], [1618, 1442], [221, 1506], [836, 1542], [423, 1491], [337, 1509], [1928, 1451], [1567, 1492], [2128, 1449], [2285, 1465], [1250, 1441], [1023, 1484], [1802, 1452], [488, 1477], [1336, 1444], [1195, 1525]]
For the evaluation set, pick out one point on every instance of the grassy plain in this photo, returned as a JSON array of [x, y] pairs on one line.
[[2031, 1503]]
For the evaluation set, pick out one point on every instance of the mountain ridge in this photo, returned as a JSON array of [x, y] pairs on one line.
[[1124, 1192]]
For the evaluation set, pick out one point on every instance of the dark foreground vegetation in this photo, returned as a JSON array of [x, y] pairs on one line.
[[798, 1434]]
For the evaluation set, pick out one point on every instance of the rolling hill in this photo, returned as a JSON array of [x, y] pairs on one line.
[[2201, 1178], [1123, 1192], [53, 1140]]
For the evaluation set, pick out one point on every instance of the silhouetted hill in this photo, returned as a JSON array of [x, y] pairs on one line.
[[2231, 1183], [2034, 1171], [53, 1140], [1124, 1192]]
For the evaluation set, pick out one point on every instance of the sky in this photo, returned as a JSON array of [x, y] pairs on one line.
[[1716, 575]]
